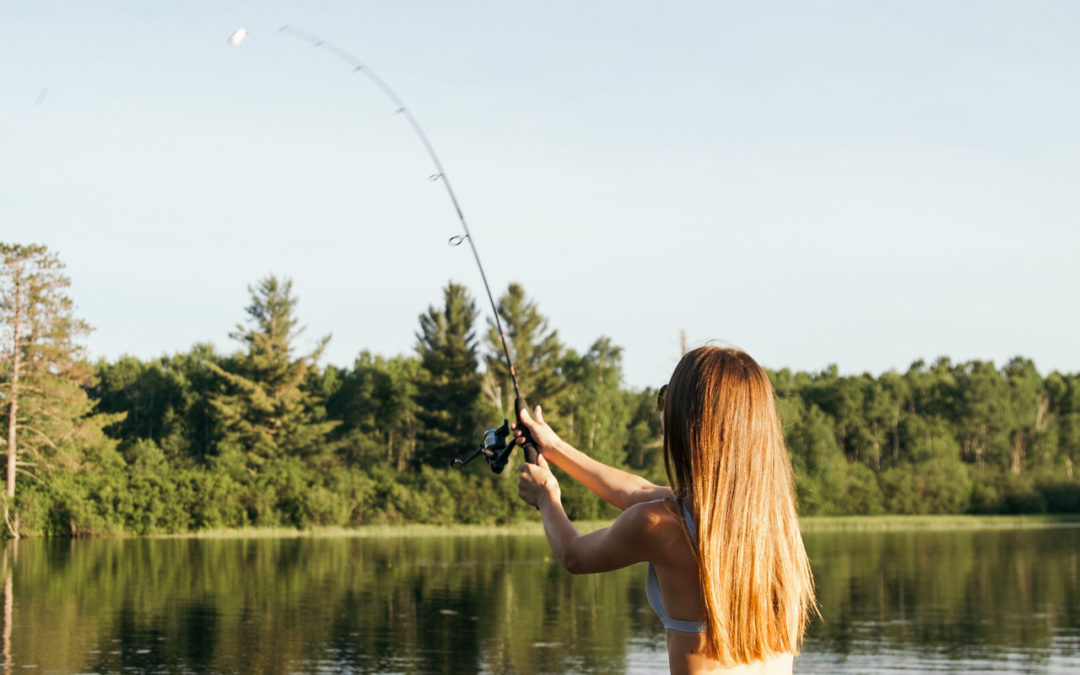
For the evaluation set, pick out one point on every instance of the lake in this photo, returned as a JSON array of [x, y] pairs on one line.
[[1001, 600]]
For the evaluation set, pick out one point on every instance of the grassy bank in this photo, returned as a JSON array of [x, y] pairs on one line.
[[816, 524], [953, 522], [381, 531]]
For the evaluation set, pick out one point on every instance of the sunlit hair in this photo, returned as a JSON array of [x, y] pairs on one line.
[[726, 460]]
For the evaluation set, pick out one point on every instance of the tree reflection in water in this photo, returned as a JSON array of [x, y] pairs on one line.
[[891, 600]]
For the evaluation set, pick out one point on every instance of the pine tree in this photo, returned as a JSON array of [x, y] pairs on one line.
[[448, 392], [535, 350], [49, 420], [267, 411]]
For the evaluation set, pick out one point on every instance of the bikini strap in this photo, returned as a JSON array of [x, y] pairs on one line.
[[689, 519]]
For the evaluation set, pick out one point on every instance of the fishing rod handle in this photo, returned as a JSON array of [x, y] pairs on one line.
[[529, 447]]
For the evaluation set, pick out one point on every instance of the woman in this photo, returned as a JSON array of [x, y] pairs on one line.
[[728, 574]]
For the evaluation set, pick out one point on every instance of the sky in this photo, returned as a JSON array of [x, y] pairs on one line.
[[850, 183]]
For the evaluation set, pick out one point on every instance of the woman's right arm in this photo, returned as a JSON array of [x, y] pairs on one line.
[[615, 486]]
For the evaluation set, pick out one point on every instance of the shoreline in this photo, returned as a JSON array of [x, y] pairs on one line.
[[890, 523], [808, 525], [812, 524]]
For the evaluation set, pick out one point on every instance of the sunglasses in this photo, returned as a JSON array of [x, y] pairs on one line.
[[660, 397]]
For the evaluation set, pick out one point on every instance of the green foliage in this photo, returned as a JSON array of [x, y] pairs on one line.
[[950, 438], [448, 389], [267, 438], [166, 401], [375, 402], [535, 350], [51, 429], [267, 410], [594, 416], [644, 450]]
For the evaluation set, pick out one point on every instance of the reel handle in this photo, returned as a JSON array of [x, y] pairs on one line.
[[529, 448]]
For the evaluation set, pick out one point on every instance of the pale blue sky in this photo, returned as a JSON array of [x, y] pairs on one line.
[[859, 183]]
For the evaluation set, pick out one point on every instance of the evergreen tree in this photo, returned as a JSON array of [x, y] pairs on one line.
[[50, 423], [448, 391], [534, 348], [268, 410]]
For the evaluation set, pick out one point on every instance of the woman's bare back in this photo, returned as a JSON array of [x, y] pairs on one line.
[[681, 594], [689, 653]]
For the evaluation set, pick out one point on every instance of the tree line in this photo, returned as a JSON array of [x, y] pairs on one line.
[[266, 436]]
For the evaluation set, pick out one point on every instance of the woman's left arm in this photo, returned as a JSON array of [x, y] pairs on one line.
[[624, 543]]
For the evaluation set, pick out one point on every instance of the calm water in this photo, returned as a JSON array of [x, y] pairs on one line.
[[959, 601]]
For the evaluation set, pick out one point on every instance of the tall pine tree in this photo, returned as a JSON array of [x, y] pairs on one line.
[[49, 420], [534, 348], [448, 393], [268, 411]]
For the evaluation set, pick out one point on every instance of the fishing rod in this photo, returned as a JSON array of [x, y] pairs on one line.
[[495, 447]]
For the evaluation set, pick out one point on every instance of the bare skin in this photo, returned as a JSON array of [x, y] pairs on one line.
[[650, 529]]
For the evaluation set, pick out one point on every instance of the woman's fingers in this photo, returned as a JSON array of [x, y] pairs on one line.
[[535, 428], [527, 485], [527, 422]]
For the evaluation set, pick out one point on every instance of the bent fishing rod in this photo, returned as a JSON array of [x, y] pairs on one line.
[[495, 448]]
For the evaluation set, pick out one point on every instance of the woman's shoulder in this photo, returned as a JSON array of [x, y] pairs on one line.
[[664, 509], [653, 510], [659, 519]]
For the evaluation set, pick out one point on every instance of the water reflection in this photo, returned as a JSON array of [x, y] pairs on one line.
[[946, 601], [893, 602], [9, 603]]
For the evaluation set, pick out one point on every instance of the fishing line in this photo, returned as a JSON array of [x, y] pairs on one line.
[[439, 176]]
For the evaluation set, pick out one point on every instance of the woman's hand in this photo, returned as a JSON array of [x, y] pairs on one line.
[[543, 435], [535, 481]]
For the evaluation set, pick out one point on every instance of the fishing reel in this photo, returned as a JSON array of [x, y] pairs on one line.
[[495, 449]]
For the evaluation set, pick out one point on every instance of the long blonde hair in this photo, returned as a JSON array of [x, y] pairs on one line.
[[724, 454]]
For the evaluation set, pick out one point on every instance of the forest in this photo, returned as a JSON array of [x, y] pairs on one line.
[[266, 436]]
